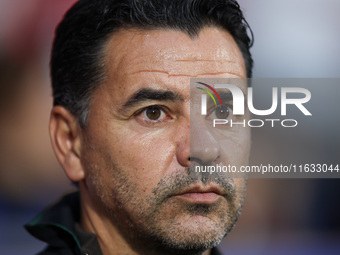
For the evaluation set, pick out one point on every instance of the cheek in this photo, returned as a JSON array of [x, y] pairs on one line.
[[143, 158], [240, 185], [235, 147]]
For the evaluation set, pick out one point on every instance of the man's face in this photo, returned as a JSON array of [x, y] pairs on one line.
[[136, 151]]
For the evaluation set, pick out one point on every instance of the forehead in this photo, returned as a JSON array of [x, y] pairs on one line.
[[174, 52], [165, 60]]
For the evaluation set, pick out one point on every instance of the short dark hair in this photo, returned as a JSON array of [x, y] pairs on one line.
[[77, 61]]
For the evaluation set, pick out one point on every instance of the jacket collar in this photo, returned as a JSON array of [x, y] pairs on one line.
[[56, 224]]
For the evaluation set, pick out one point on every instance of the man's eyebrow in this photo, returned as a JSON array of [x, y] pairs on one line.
[[225, 96], [147, 94]]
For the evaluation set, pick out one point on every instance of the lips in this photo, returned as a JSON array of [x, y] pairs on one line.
[[201, 195]]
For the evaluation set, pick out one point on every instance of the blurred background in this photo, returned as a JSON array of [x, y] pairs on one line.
[[30, 176], [293, 39]]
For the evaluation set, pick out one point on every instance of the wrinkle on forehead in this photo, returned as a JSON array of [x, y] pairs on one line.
[[188, 54], [175, 53], [232, 75]]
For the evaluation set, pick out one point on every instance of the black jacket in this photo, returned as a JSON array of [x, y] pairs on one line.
[[58, 226]]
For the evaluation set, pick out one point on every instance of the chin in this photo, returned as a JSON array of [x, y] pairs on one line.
[[196, 234]]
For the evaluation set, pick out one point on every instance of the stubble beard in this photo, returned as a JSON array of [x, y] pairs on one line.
[[161, 223]]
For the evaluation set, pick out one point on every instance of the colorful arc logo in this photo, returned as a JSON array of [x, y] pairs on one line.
[[208, 92], [204, 97]]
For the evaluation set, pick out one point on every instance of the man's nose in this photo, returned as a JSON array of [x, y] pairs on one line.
[[204, 147], [196, 143]]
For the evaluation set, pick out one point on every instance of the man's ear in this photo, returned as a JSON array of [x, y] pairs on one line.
[[65, 134]]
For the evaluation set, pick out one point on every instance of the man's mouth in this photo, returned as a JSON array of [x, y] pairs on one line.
[[201, 195]]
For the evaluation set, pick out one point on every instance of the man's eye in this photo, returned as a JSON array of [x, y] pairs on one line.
[[221, 112], [153, 113]]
